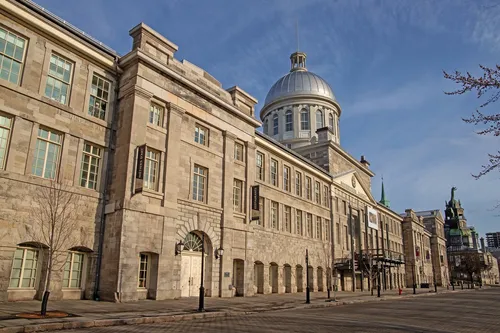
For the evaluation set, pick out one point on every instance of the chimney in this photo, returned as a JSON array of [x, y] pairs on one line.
[[363, 161]]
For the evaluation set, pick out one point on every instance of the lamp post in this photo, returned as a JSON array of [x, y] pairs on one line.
[[201, 305], [379, 266], [308, 297]]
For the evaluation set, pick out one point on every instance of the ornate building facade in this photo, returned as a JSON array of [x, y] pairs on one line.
[[177, 181]]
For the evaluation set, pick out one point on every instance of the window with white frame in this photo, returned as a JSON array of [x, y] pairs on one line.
[[262, 214], [274, 215], [286, 178], [259, 164], [156, 114], [238, 151], [91, 160], [317, 192], [318, 227], [326, 196], [298, 183], [298, 222], [151, 169], [274, 172], [199, 183], [72, 276], [287, 212], [47, 153], [275, 124], [308, 188], [12, 49], [237, 191], [304, 120], [144, 262], [99, 97], [5, 126], [319, 119], [24, 268], [309, 225], [201, 135], [288, 121], [58, 84]]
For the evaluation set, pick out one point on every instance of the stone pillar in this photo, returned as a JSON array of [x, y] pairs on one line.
[[21, 136], [293, 284], [226, 264], [267, 282], [313, 277], [281, 279]]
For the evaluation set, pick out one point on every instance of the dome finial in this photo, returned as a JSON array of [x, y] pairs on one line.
[[298, 60]]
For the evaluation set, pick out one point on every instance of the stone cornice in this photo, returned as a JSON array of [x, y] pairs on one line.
[[136, 90], [138, 54], [176, 109]]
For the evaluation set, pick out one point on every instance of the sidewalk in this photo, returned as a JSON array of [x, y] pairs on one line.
[[97, 314]]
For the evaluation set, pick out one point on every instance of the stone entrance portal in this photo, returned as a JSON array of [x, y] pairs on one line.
[[191, 265]]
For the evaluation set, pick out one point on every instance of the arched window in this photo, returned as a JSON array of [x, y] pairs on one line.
[[266, 126], [304, 120], [319, 119], [192, 242], [275, 124], [330, 121], [288, 121]]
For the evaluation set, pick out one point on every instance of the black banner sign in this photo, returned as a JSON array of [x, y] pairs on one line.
[[141, 156], [255, 197]]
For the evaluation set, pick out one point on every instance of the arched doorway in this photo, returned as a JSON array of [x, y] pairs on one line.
[[287, 277], [258, 276], [299, 278], [191, 264], [273, 277], [239, 276], [320, 279]]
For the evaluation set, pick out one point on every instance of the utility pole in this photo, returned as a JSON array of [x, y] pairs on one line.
[[308, 297]]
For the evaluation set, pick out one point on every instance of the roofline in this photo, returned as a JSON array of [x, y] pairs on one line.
[[291, 152], [67, 26]]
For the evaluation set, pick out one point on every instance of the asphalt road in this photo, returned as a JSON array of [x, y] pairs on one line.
[[471, 312]]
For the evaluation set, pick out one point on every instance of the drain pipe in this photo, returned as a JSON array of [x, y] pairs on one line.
[[107, 174]]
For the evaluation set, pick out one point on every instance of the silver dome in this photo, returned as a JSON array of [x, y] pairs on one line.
[[299, 82]]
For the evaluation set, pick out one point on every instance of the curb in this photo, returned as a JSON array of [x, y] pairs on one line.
[[192, 316]]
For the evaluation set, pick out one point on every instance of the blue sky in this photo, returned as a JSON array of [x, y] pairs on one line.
[[383, 59]]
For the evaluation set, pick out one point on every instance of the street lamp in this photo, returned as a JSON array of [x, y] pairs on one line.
[[308, 297], [179, 247], [379, 267], [219, 253], [201, 305]]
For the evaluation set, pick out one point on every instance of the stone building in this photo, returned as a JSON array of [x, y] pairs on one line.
[[169, 165]]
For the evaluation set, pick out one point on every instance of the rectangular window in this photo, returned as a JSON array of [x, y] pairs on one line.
[[298, 220], [99, 96], [5, 126], [326, 196], [274, 172], [298, 184], [156, 114], [308, 188], [344, 203], [327, 230], [287, 212], [309, 225], [337, 205], [237, 188], [143, 270], [201, 135], [151, 169], [238, 151], [24, 268], [47, 154], [286, 178], [259, 164], [59, 79], [73, 268], [91, 159], [11, 56], [261, 221], [274, 215], [338, 233], [317, 192], [347, 240], [199, 183], [318, 227]]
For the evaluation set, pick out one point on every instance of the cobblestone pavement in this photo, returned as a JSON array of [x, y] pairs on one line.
[[473, 312]]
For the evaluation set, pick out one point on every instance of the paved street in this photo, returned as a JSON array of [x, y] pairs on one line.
[[473, 312]]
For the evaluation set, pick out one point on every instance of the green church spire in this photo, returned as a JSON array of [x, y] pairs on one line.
[[383, 200]]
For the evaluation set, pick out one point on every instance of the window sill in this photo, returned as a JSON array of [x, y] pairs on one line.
[[153, 194], [239, 162], [156, 128], [239, 215]]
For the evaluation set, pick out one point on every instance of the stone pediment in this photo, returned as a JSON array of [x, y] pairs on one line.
[[350, 181]]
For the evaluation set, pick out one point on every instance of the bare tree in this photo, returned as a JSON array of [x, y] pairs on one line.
[[488, 86], [52, 225], [472, 263]]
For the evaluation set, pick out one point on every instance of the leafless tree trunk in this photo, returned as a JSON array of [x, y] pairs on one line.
[[52, 224]]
